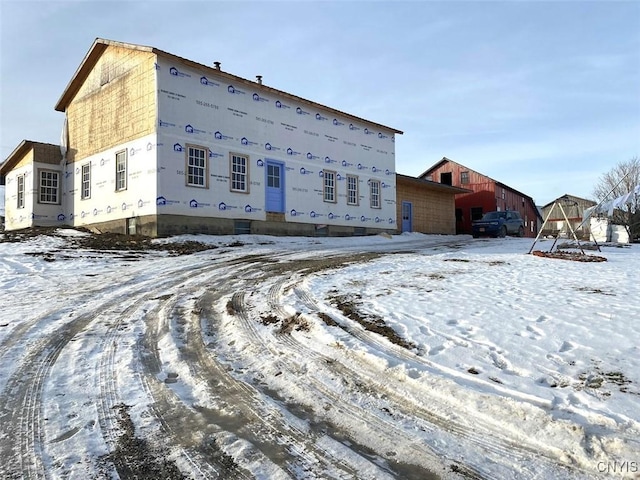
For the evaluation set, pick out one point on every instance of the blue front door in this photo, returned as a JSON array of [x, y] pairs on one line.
[[407, 217], [275, 186]]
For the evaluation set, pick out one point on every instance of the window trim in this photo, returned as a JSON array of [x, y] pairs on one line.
[[124, 173], [85, 184], [205, 168], [20, 192], [233, 174], [40, 186], [326, 174], [375, 198], [356, 191]]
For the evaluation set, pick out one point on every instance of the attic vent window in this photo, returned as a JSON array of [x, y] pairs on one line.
[[464, 178]]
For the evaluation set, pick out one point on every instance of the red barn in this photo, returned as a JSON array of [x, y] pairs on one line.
[[487, 195]]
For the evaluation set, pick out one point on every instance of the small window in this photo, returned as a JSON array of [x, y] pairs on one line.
[[239, 173], [121, 171], [49, 184], [329, 181], [197, 167], [20, 191], [86, 181], [504, 195], [352, 190], [20, 180], [464, 178], [374, 193], [273, 176], [446, 178]]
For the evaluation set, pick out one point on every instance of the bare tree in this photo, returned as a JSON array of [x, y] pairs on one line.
[[618, 181]]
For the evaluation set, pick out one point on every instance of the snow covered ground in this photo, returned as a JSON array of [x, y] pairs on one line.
[[271, 357]]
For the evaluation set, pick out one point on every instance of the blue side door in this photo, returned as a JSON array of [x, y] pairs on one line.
[[407, 217], [275, 186]]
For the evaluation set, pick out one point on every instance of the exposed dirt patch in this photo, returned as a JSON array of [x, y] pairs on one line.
[[597, 379], [133, 457], [105, 242], [138, 243], [14, 236], [372, 323], [295, 322], [327, 319], [564, 255], [225, 463], [266, 319]]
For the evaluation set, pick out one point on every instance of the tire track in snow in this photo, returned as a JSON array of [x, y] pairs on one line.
[[486, 436], [167, 291], [21, 400], [249, 327], [181, 421], [352, 416]]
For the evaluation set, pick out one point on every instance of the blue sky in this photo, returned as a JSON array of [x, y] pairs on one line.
[[542, 96]]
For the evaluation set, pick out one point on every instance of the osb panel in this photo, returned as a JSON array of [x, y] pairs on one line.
[[41, 153], [433, 210], [47, 154], [116, 103]]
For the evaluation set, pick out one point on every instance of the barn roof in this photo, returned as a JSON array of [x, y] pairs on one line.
[[502, 185]]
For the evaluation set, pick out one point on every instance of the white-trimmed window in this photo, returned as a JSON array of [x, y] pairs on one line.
[[86, 181], [352, 190], [121, 171], [329, 182], [239, 173], [20, 191], [49, 186], [374, 193], [197, 175]]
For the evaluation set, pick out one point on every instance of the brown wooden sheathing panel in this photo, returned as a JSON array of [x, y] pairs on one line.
[[433, 209], [115, 104], [41, 153], [47, 153]]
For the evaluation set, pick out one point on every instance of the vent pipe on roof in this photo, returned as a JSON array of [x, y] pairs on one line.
[[217, 65], [259, 79]]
